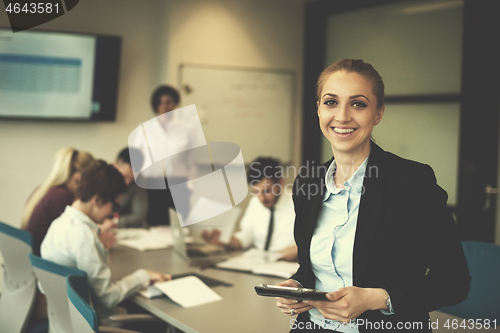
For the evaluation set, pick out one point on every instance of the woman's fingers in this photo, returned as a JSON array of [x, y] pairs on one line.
[[290, 283], [287, 300], [295, 309], [292, 306], [349, 302]]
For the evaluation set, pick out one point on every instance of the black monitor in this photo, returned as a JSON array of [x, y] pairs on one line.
[[49, 75]]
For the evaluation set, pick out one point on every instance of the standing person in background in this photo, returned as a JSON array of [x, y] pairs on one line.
[[177, 136], [374, 231], [49, 200], [268, 220], [134, 205]]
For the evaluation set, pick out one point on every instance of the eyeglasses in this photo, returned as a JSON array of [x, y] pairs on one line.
[[116, 206]]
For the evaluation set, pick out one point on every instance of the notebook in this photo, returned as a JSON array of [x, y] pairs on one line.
[[151, 291]]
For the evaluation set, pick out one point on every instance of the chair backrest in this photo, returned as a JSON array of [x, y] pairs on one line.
[[19, 281], [83, 317], [52, 280], [483, 301]]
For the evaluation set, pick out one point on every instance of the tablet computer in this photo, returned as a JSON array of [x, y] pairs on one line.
[[305, 294]]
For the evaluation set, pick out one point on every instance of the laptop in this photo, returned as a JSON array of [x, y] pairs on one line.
[[193, 252]]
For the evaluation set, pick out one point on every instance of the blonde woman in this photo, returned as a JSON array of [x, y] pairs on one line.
[[49, 200], [372, 229]]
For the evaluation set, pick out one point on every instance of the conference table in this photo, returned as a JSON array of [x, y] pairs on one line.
[[240, 309]]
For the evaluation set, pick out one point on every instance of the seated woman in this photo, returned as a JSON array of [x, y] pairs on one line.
[[73, 238], [49, 200]]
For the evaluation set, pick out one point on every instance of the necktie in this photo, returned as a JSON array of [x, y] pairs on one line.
[[270, 230]]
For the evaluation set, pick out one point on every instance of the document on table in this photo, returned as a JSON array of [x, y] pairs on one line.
[[150, 292], [283, 269], [145, 239], [260, 262], [188, 291]]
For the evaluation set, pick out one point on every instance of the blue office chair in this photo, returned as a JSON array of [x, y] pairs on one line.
[[19, 282], [52, 280], [83, 317], [483, 301]]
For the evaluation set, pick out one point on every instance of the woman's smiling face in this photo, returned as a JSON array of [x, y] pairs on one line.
[[347, 110]]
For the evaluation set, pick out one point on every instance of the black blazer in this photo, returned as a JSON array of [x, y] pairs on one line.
[[406, 239]]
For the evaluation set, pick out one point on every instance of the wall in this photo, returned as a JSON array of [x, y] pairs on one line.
[[254, 34], [497, 227], [413, 59], [157, 36]]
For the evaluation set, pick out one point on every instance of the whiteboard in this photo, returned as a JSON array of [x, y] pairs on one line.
[[249, 107]]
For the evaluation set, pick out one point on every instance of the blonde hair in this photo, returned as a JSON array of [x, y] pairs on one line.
[[68, 161], [354, 66]]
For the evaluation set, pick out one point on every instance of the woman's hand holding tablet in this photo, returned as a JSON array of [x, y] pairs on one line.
[[290, 306], [290, 292]]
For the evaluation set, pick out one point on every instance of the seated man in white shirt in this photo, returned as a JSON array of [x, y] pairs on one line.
[[73, 238], [269, 218]]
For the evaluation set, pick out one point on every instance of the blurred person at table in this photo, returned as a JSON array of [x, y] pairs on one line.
[[134, 204], [73, 238], [268, 220], [49, 200]]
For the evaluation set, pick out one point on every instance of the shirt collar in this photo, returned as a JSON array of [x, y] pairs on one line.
[[81, 216], [354, 183], [282, 199]]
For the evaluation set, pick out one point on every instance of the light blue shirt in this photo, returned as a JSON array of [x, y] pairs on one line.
[[335, 230]]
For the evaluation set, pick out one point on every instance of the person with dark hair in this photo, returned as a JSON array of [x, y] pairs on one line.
[[268, 220], [134, 204], [373, 229], [179, 136], [264, 167], [164, 99], [73, 238]]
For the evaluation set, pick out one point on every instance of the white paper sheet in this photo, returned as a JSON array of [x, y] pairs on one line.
[[283, 269], [188, 291], [249, 260], [150, 292], [261, 262], [145, 239]]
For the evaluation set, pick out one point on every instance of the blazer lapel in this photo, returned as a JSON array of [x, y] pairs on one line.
[[313, 209], [369, 215], [315, 205]]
